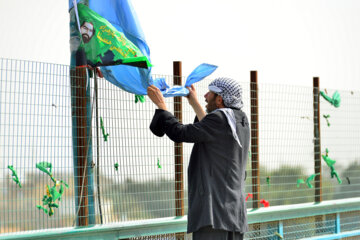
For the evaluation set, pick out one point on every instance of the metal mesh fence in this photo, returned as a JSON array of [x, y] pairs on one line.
[[262, 231], [286, 150], [136, 169], [341, 137], [35, 120], [133, 171], [174, 236], [350, 221]]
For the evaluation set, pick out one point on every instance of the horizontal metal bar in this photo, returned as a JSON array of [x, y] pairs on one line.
[[336, 236], [123, 230], [302, 210]]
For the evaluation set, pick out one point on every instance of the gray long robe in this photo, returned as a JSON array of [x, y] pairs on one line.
[[216, 169]]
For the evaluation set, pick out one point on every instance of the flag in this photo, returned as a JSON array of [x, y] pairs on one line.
[[122, 16], [103, 44]]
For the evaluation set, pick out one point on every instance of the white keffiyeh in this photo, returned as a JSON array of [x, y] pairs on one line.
[[230, 116], [229, 90]]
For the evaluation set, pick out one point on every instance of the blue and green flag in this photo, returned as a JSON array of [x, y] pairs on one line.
[[123, 18], [104, 45]]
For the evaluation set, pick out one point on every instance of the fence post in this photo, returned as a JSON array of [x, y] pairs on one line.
[[80, 143], [337, 223], [81, 113], [317, 142], [319, 220], [255, 171], [178, 148], [97, 144]]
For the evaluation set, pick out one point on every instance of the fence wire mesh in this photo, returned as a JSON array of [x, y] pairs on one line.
[[133, 172], [174, 236], [350, 221], [35, 120]]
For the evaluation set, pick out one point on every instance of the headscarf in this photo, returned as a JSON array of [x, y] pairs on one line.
[[230, 91]]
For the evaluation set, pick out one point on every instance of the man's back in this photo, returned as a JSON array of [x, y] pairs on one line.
[[217, 165], [216, 177]]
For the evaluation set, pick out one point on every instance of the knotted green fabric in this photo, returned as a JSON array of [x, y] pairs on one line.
[[14, 175], [335, 100], [52, 194]]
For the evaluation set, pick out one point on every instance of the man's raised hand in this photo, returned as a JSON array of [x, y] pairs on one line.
[[156, 97]]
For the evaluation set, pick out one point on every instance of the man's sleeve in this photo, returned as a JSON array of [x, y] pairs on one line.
[[164, 122]]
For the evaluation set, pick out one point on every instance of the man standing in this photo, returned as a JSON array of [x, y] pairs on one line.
[[216, 171]]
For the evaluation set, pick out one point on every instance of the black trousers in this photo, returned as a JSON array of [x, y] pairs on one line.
[[208, 233]]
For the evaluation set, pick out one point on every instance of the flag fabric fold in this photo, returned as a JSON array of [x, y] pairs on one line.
[[199, 73]]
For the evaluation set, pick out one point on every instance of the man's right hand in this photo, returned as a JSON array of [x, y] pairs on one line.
[[192, 97], [194, 102]]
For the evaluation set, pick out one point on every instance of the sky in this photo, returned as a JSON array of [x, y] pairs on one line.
[[286, 41]]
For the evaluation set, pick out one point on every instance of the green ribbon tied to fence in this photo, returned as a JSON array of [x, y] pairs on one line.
[[52, 193], [327, 119], [268, 180], [116, 166], [300, 181], [14, 175], [103, 130], [330, 162], [140, 98], [307, 181], [327, 159], [46, 167], [310, 179], [158, 163], [334, 100]]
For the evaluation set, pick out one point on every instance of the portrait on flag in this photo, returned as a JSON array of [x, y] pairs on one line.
[[87, 31]]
